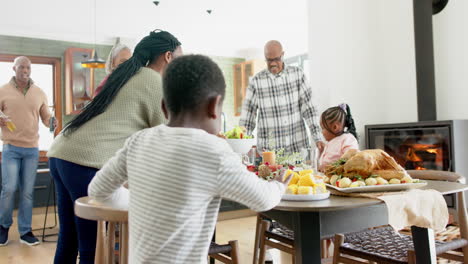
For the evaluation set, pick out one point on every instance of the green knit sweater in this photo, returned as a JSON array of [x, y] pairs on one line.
[[136, 106]]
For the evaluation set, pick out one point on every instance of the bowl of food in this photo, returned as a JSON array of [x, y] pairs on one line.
[[241, 146], [239, 141]]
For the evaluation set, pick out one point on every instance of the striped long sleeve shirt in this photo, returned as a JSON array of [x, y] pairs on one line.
[[177, 178], [284, 106]]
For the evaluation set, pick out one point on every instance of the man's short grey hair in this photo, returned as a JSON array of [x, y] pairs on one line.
[[19, 59], [112, 54]]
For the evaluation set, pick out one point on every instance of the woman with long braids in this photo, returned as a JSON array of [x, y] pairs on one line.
[[130, 101], [339, 131]]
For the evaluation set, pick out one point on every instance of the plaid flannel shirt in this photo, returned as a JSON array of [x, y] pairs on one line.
[[284, 104]]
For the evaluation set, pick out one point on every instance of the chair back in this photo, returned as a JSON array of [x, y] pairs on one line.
[[115, 219], [435, 175]]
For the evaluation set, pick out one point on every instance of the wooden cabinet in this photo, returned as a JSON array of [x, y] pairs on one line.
[[243, 72]]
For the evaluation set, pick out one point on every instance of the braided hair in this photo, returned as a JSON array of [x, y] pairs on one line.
[[146, 51], [342, 114]]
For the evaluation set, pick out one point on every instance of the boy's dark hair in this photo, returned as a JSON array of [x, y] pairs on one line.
[[189, 81], [146, 51], [341, 113]]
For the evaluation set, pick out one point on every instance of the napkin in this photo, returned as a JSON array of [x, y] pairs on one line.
[[422, 208]]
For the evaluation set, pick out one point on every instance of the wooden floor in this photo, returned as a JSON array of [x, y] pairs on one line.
[[242, 229], [18, 253]]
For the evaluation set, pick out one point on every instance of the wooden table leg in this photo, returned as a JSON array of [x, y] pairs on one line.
[[424, 245], [307, 247]]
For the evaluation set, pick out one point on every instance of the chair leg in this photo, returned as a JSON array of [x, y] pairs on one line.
[[339, 239], [100, 243], [234, 252], [323, 248], [257, 239], [124, 246], [265, 225], [411, 257], [110, 242]]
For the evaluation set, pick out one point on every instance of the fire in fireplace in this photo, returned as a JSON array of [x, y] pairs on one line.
[[423, 157], [417, 147]]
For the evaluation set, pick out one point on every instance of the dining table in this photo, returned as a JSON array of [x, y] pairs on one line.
[[313, 220]]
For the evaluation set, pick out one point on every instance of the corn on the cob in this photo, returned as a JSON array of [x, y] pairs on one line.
[[306, 180], [305, 190], [292, 189]]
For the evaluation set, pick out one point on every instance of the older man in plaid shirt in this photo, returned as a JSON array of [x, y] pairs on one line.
[[283, 100]]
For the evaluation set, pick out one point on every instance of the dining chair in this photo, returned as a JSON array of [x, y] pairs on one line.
[[384, 245], [228, 253], [274, 235]]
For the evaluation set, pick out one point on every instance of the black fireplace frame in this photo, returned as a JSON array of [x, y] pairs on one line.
[[458, 143], [415, 125]]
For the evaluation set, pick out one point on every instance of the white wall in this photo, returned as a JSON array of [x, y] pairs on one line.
[[451, 60], [362, 53], [234, 29]]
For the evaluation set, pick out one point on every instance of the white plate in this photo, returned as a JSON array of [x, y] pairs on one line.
[[380, 188], [306, 197]]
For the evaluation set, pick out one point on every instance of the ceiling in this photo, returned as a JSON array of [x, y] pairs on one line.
[[234, 28]]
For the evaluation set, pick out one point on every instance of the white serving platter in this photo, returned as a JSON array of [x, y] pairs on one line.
[[380, 188], [306, 197]]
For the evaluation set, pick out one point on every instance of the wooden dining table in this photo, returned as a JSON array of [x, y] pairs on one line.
[[312, 220]]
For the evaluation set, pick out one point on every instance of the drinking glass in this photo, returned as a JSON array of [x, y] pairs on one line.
[[9, 124], [310, 156]]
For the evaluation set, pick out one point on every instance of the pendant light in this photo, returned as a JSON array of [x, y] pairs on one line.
[[95, 61]]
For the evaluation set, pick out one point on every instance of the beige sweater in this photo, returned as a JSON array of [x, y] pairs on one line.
[[136, 106], [24, 111]]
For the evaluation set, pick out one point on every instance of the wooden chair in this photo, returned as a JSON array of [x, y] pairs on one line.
[[274, 235], [384, 245], [105, 241], [228, 253]]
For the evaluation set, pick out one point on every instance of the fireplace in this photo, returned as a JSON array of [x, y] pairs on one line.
[[415, 146], [435, 145]]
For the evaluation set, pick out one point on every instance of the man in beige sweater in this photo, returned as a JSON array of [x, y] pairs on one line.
[[23, 103]]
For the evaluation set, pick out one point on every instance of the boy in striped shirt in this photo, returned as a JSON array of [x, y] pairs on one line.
[[178, 173]]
